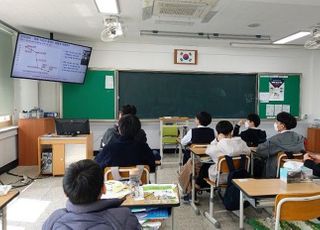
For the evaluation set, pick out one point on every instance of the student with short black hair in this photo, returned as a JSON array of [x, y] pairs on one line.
[[224, 144], [252, 135], [113, 133], [199, 135], [126, 150], [83, 184], [286, 141]]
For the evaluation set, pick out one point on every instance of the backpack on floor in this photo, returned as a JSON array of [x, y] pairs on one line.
[[231, 197]]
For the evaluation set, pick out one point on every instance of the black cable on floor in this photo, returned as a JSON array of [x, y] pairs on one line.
[[13, 174]]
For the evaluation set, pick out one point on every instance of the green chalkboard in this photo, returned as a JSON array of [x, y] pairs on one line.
[[157, 94], [90, 100], [279, 92]]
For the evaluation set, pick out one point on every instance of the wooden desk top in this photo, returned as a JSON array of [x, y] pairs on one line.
[[4, 200], [199, 150], [55, 136], [58, 139], [273, 187]]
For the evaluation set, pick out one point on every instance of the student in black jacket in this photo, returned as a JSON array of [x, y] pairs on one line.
[[252, 136], [199, 135], [126, 151]]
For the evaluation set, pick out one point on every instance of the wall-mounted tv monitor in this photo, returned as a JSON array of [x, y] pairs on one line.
[[46, 59], [72, 126]]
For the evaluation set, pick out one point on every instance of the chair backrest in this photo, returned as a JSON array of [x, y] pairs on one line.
[[223, 166], [282, 156], [170, 130], [303, 207], [124, 173]]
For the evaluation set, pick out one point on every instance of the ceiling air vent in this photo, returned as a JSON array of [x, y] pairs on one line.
[[191, 9]]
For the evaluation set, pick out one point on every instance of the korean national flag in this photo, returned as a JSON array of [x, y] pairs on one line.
[[186, 57]]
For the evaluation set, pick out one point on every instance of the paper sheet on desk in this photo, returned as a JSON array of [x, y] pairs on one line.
[[119, 195], [162, 191]]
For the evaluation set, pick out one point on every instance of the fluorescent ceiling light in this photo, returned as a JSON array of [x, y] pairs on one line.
[[292, 37], [263, 45], [108, 6]]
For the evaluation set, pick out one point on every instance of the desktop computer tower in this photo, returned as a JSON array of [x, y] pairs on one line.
[[46, 161]]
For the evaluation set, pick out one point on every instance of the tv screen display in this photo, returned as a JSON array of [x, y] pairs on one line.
[[46, 59]]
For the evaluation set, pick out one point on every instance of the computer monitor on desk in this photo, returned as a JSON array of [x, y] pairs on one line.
[[72, 127]]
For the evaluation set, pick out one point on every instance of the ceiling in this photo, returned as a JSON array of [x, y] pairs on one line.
[[80, 19]]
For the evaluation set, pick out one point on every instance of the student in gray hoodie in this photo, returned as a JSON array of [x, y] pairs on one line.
[[286, 140], [112, 134], [83, 184]]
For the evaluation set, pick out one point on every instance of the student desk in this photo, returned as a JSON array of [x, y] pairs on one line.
[[4, 201], [261, 192], [181, 123], [65, 150], [196, 151], [153, 202]]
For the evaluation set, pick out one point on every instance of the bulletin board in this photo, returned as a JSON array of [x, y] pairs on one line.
[[277, 93], [94, 99]]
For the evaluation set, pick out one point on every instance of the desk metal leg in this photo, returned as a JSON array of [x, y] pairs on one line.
[[4, 218], [172, 218], [241, 211], [193, 190], [180, 157], [252, 155], [209, 215], [156, 175]]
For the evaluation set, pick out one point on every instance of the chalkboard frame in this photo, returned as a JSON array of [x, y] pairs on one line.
[[117, 92]]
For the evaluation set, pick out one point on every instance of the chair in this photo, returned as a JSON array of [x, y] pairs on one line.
[[122, 173], [282, 156], [302, 207], [170, 133], [222, 167]]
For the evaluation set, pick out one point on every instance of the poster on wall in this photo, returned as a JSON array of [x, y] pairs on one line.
[[276, 89]]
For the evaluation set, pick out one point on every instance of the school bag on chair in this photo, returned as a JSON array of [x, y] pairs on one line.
[[231, 197]]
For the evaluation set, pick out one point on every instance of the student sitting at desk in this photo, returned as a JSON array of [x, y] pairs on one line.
[[113, 133], [125, 150], [312, 161], [252, 135], [83, 184], [286, 141], [200, 135], [224, 144]]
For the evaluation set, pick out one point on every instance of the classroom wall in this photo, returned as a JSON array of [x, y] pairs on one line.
[[211, 59], [6, 83], [314, 85]]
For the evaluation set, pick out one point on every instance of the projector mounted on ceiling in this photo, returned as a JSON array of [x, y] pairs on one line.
[[187, 9], [314, 41], [112, 30]]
